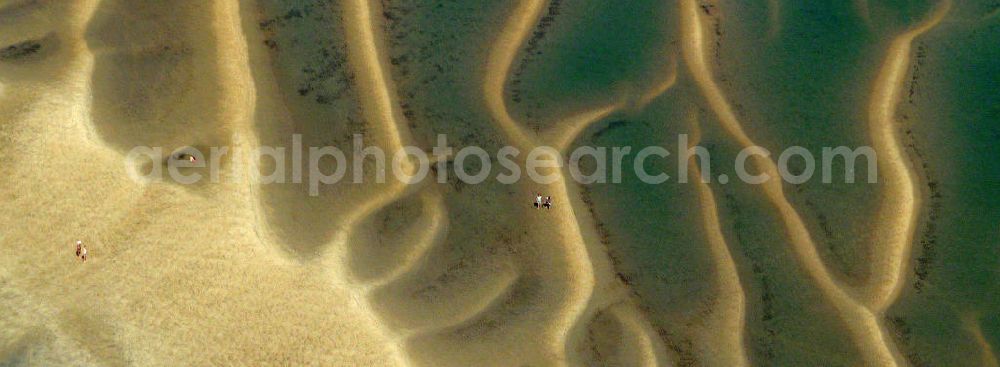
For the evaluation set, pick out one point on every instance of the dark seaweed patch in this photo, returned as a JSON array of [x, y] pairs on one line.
[[328, 57], [903, 333], [427, 60], [928, 238], [532, 51], [611, 126], [19, 50], [766, 344]]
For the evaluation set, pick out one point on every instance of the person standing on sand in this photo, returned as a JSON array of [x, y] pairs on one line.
[[79, 247], [538, 201], [83, 253], [187, 157], [548, 202]]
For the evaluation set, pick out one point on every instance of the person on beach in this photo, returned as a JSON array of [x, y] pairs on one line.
[[83, 253], [548, 202], [538, 201], [187, 157], [79, 248]]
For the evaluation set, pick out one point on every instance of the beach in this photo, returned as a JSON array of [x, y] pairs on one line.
[[265, 259]]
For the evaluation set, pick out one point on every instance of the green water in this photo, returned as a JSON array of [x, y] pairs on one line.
[[806, 85], [957, 127], [655, 232], [809, 85], [588, 52]]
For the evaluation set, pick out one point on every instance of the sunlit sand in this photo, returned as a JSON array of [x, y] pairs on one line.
[[900, 207], [862, 319], [589, 260], [727, 329], [407, 273], [863, 323]]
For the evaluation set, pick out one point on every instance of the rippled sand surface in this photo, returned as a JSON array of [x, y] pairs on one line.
[[902, 272]]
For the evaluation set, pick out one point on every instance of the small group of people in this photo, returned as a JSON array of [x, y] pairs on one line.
[[545, 202], [81, 251]]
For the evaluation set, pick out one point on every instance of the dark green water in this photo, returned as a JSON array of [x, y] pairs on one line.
[[586, 52], [808, 84], [956, 128]]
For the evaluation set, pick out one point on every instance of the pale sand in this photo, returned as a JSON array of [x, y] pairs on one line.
[[431, 229], [172, 269], [862, 322], [726, 327], [900, 206], [378, 104], [652, 350], [377, 90]]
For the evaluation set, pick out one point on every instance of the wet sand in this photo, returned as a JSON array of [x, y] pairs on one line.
[[862, 321], [900, 207], [863, 317], [395, 274], [582, 243]]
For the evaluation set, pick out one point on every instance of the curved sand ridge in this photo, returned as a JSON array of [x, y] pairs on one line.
[[403, 317], [378, 106], [431, 230], [971, 324], [863, 322], [390, 295], [650, 353], [235, 108], [237, 104], [657, 90], [380, 109], [590, 265], [895, 235], [728, 320]]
